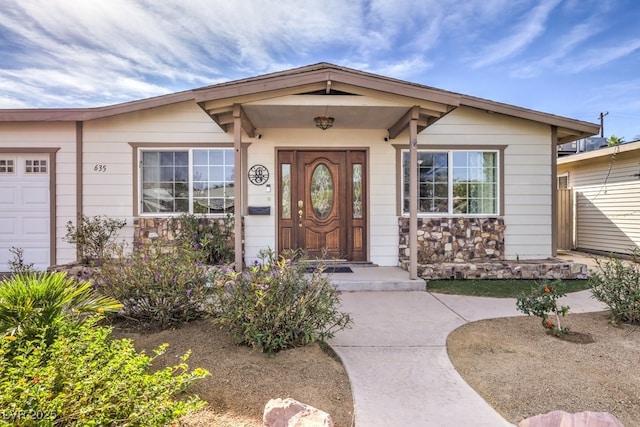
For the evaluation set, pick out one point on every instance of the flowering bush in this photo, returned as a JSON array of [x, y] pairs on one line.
[[84, 378], [209, 238], [542, 301], [277, 304], [617, 284], [157, 286], [94, 237]]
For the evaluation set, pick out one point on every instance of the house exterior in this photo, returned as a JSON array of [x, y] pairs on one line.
[[605, 189], [407, 174]]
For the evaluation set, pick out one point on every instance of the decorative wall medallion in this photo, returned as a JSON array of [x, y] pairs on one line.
[[258, 174]]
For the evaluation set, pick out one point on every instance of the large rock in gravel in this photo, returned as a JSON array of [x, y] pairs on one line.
[[291, 413], [565, 419]]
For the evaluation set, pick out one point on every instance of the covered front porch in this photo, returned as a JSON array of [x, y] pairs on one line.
[[269, 110]]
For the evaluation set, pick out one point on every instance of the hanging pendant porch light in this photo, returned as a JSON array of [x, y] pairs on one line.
[[323, 122]]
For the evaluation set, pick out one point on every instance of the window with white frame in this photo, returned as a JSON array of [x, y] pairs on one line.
[[454, 182], [563, 181], [187, 181]]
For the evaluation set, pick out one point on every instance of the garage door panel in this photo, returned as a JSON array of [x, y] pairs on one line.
[[24, 211], [32, 195], [35, 226], [8, 227], [7, 196]]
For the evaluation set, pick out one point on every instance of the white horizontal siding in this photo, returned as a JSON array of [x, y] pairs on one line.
[[107, 143], [527, 180], [623, 167], [608, 217]]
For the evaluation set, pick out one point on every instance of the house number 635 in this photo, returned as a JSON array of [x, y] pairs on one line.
[[100, 168]]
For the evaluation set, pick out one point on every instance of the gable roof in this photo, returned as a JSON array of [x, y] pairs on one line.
[[360, 99]]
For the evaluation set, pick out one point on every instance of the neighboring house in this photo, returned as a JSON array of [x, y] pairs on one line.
[[605, 185], [467, 178]]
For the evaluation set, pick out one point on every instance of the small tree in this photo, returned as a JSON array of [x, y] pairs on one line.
[[542, 301]]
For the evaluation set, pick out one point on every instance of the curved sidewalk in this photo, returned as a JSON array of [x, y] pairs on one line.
[[397, 362]]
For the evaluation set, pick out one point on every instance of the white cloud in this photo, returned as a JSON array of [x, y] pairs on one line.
[[598, 57], [525, 33], [558, 51]]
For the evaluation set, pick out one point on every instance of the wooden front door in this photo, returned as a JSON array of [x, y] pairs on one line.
[[322, 203]]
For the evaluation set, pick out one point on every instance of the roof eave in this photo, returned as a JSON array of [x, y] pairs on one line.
[[574, 129], [92, 113], [602, 152]]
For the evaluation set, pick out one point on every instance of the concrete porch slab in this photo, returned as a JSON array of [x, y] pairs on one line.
[[376, 279]]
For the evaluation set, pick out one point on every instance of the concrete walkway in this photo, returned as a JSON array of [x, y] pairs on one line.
[[396, 357]]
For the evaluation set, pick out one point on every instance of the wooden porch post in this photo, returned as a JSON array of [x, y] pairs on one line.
[[413, 193], [554, 190], [238, 208]]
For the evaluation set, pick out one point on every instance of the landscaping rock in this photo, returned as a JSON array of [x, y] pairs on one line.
[[291, 413], [565, 419]]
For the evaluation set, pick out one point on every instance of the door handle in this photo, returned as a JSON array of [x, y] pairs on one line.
[[300, 212]]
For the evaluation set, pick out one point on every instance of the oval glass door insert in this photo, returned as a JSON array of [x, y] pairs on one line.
[[322, 191]]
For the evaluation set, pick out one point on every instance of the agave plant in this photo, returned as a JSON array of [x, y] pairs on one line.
[[34, 304]]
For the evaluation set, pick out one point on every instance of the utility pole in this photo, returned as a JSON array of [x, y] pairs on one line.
[[602, 115]]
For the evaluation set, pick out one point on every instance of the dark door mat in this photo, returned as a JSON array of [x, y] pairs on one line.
[[331, 269]]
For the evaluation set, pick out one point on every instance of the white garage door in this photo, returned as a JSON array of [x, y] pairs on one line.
[[24, 208]]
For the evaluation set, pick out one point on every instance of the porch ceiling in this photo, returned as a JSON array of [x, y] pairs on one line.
[[348, 115], [349, 112]]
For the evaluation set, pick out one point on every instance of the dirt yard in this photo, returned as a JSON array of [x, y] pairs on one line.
[[522, 371], [243, 380], [518, 368]]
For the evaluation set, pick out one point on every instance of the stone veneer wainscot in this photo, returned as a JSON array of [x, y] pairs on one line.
[[473, 248]]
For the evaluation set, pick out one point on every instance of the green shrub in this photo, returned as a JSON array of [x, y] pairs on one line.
[[207, 236], [158, 286], [84, 378], [617, 284], [276, 304], [542, 301], [94, 237], [35, 304]]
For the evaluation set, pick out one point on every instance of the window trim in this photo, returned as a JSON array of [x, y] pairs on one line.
[[137, 147], [500, 149], [563, 175], [13, 166]]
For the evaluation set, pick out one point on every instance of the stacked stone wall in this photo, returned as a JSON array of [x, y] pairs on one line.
[[147, 229], [473, 248], [454, 239]]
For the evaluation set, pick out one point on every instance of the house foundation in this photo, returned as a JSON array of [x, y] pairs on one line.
[[473, 248]]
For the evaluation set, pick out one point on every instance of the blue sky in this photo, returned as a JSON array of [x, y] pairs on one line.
[[574, 58]]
